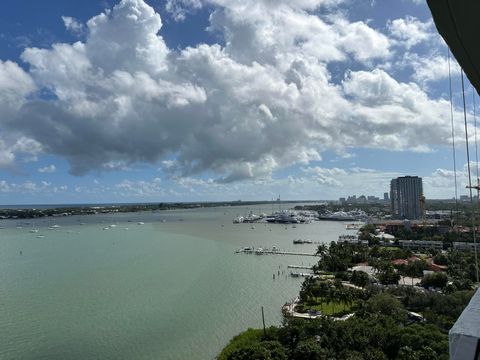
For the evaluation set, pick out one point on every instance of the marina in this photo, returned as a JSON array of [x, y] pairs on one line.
[[286, 217]]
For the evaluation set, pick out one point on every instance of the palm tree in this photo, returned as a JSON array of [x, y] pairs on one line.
[[331, 296], [343, 297], [323, 289], [375, 264], [322, 249], [411, 271], [306, 290], [349, 297], [334, 296]]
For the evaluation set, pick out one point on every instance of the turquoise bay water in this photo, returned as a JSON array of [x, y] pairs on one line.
[[162, 290]]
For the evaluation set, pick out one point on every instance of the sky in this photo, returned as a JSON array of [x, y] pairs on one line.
[[211, 100]]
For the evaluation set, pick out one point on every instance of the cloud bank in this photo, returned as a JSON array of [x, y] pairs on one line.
[[260, 100]]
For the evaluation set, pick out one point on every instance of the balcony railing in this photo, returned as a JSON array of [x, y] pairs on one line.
[[464, 336]]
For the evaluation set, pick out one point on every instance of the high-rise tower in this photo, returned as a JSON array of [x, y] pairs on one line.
[[405, 195]]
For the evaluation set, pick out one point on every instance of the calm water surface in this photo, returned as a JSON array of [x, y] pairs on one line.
[[169, 289]]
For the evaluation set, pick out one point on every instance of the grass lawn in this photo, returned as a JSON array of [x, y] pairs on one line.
[[323, 272], [328, 308]]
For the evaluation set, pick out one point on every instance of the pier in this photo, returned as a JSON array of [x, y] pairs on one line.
[[260, 251], [302, 274], [300, 267]]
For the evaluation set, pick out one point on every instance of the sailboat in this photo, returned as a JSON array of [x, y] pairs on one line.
[[33, 229]]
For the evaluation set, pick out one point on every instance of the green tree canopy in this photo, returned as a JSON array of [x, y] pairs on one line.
[[386, 304]]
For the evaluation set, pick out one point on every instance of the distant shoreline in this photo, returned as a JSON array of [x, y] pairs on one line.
[[40, 211]]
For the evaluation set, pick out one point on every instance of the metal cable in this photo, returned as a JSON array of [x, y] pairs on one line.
[[469, 176], [476, 143], [453, 140]]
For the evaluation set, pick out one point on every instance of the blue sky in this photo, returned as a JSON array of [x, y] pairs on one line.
[[204, 100]]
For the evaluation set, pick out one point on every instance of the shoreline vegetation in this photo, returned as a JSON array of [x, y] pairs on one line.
[[376, 210], [371, 309], [39, 211]]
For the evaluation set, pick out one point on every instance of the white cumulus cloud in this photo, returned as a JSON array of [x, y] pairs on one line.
[[261, 99], [73, 25], [47, 169], [410, 31]]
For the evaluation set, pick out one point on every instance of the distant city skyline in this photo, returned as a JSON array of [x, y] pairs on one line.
[[361, 199], [141, 101]]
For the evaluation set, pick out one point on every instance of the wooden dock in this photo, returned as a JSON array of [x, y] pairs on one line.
[[300, 267], [302, 274], [273, 252]]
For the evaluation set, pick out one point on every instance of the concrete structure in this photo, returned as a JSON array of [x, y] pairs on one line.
[[386, 198], [405, 194], [420, 244], [362, 199], [384, 236], [457, 22], [464, 336], [351, 239], [464, 246]]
